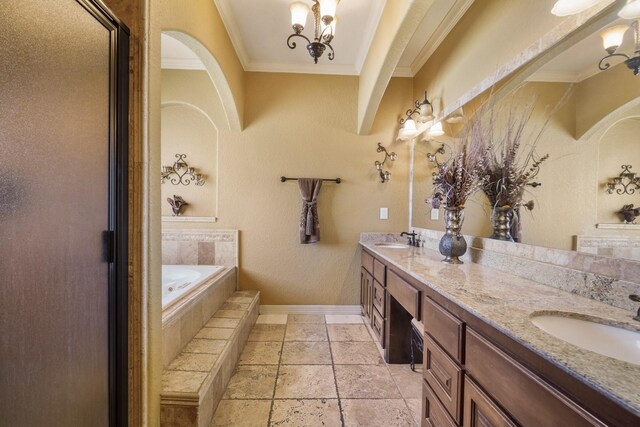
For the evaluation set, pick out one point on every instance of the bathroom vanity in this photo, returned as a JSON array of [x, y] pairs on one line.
[[485, 362]]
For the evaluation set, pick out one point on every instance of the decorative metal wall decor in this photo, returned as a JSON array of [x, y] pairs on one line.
[[628, 214], [324, 20], [177, 204], [625, 183], [181, 173], [384, 175], [424, 110]]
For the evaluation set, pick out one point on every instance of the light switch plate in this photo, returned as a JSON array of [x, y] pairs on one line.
[[435, 214], [384, 213]]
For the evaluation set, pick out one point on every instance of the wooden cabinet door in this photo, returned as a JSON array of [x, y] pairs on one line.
[[480, 410]]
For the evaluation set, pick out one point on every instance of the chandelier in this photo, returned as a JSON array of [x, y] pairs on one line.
[[324, 20], [612, 38]]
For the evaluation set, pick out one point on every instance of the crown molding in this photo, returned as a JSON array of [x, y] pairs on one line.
[[454, 15], [309, 68], [230, 23], [369, 34], [181, 64]]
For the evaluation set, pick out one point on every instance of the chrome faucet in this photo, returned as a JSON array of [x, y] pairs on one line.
[[410, 236], [636, 298]]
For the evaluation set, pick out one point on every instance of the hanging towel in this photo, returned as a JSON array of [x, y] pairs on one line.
[[309, 224]]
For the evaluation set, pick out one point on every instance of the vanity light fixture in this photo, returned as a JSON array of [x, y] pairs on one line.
[[572, 7], [436, 130], [424, 111], [625, 183], [324, 19], [384, 175], [181, 173], [612, 38], [631, 10]]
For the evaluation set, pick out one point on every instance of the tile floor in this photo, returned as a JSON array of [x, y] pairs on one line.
[[315, 370]]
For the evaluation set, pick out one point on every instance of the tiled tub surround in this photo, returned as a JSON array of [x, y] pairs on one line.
[[507, 302], [193, 383], [200, 247], [182, 321], [315, 370], [627, 247]]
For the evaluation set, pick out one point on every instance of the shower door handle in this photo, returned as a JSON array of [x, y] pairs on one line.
[[108, 245]]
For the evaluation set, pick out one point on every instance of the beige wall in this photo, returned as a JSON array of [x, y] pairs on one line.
[[304, 126], [189, 103]]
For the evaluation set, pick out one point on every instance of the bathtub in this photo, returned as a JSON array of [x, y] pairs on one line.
[[181, 281]]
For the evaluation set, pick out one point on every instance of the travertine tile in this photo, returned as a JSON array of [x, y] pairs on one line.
[[306, 412], [409, 382], [201, 362], [182, 381], [343, 318], [217, 322], [252, 382], [366, 382], [306, 332], [306, 353], [306, 318], [305, 382], [348, 333], [415, 407], [187, 253], [198, 345], [241, 299], [169, 252], [215, 333], [355, 353], [376, 413], [230, 314], [267, 333], [276, 319], [206, 253], [235, 306], [261, 353], [242, 413]]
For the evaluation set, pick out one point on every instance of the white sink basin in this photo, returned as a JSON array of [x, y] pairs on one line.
[[391, 245], [610, 341]]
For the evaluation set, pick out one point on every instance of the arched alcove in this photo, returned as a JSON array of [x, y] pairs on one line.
[[187, 129], [219, 80]]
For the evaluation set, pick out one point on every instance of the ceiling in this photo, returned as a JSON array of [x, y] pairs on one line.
[[259, 30], [581, 60]]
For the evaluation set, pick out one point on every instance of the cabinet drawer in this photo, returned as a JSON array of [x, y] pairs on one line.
[[378, 296], [380, 272], [528, 399], [433, 414], [377, 324], [404, 293], [480, 410], [444, 376], [446, 329], [367, 261]]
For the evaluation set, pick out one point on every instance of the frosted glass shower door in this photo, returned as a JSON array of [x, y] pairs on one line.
[[55, 127]]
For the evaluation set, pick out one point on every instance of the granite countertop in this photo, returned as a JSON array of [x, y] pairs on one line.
[[507, 302]]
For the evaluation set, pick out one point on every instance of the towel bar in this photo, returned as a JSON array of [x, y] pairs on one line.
[[284, 178]]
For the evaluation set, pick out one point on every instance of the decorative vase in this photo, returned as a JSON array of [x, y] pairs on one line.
[[502, 218], [452, 245]]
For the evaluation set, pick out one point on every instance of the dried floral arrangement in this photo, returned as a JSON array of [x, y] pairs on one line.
[[462, 174]]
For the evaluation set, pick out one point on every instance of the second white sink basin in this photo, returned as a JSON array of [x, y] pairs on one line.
[[610, 341], [391, 245]]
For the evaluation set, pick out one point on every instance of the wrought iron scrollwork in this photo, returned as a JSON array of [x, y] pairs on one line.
[[181, 173], [625, 183]]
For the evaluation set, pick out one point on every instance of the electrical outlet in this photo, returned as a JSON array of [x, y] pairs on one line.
[[384, 213], [435, 214]]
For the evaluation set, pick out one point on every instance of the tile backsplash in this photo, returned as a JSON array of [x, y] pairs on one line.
[[200, 247]]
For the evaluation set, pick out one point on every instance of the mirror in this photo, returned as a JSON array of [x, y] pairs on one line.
[[589, 139]]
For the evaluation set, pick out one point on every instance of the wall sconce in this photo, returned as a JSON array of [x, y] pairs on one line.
[[456, 117], [625, 182], [181, 172], [384, 175], [612, 39], [436, 130], [424, 111], [432, 157]]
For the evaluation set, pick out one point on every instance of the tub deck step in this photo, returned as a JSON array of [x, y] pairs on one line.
[[193, 383]]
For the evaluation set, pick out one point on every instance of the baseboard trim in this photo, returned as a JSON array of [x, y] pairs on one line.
[[310, 309]]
